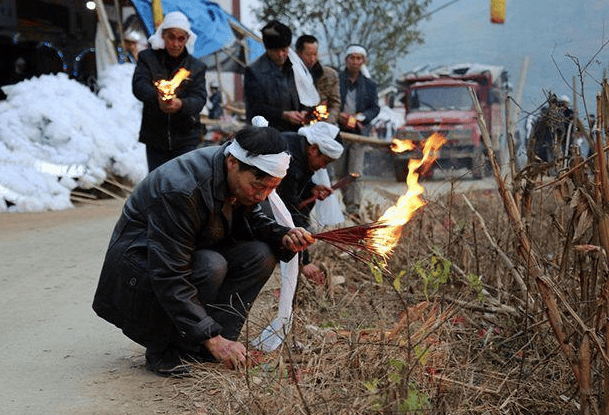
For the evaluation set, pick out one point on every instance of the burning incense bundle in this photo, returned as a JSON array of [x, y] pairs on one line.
[[360, 237], [319, 113], [167, 88], [380, 237]]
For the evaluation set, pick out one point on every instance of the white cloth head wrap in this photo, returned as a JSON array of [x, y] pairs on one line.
[[362, 51], [260, 121], [173, 20], [323, 136], [274, 164]]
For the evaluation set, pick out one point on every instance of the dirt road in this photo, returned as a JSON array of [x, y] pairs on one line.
[[57, 356]]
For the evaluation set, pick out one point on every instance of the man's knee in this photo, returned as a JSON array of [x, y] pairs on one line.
[[209, 267], [262, 258], [254, 258]]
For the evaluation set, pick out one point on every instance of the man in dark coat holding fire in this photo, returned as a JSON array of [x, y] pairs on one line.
[[269, 84], [171, 125], [359, 106], [192, 250]]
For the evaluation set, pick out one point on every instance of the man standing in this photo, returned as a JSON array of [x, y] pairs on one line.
[[359, 106], [269, 85], [170, 127], [215, 101], [324, 77], [192, 250]]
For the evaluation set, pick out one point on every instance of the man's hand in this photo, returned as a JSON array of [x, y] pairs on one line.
[[321, 192], [170, 106], [351, 121], [313, 274], [230, 353], [297, 239], [294, 117]]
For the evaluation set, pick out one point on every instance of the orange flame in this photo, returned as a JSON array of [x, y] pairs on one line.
[[384, 239], [319, 113], [168, 88], [399, 146]]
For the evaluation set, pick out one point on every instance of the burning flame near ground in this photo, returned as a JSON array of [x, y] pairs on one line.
[[380, 237], [167, 88], [386, 238]]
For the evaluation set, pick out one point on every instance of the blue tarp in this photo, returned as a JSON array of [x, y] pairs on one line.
[[208, 21]]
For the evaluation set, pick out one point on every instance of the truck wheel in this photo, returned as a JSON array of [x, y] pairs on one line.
[[400, 167]]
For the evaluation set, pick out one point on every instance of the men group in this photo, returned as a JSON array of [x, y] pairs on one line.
[[193, 246]]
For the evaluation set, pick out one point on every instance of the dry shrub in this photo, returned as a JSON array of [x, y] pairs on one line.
[[456, 336]]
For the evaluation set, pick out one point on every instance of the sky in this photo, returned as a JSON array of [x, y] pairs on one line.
[[544, 31], [56, 135]]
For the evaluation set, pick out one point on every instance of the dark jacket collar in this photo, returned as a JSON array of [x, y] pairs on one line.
[[220, 188]]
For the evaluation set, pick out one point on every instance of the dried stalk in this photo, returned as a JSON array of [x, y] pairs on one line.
[[525, 249], [585, 382], [508, 262]]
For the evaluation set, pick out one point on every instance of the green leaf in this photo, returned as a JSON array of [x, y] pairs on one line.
[[372, 385], [394, 377]]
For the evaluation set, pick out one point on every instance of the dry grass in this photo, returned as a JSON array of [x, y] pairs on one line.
[[445, 342], [495, 303]]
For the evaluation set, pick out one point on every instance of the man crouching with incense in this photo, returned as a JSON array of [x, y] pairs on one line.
[[192, 250]]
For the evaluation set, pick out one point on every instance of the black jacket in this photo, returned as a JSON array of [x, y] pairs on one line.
[[297, 186], [181, 206], [366, 97], [169, 131], [269, 91]]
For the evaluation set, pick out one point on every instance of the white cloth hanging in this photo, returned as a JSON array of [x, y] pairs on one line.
[[327, 211], [307, 93], [275, 333]]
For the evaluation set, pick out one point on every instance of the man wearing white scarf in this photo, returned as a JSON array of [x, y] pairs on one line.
[[311, 150], [192, 250], [170, 127], [325, 78], [359, 106], [275, 85]]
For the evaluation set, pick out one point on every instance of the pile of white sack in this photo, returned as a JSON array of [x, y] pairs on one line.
[[57, 135]]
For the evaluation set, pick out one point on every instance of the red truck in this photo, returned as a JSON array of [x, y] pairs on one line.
[[439, 101]]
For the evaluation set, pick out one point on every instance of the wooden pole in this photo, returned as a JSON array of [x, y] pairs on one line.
[[520, 88], [119, 13], [157, 13], [219, 73], [362, 139]]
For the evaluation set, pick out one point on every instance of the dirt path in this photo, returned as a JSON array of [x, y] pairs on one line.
[[57, 356]]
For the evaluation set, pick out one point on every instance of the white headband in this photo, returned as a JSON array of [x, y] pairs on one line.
[[356, 49], [323, 136], [173, 20], [360, 50], [274, 164]]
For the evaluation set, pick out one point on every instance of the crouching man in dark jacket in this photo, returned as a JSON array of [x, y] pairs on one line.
[[192, 250]]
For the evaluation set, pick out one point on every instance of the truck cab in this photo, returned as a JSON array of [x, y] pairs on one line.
[[439, 102]]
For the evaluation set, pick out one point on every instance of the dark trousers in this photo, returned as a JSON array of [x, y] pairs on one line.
[[156, 157], [228, 281], [350, 161]]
